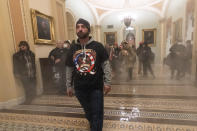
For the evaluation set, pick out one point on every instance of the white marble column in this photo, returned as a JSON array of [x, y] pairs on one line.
[[194, 54], [97, 35]]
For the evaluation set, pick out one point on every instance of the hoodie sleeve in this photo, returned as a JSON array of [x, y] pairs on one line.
[[69, 71], [107, 72], [105, 65]]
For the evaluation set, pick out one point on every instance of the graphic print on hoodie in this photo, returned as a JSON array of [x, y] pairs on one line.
[[86, 61]]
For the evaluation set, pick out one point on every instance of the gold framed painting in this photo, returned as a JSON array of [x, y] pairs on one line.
[[110, 38], [149, 36], [43, 28]]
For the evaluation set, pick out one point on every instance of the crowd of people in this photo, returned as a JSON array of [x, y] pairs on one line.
[[83, 68], [179, 60], [123, 58]]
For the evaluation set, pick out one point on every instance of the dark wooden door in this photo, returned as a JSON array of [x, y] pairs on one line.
[[47, 76]]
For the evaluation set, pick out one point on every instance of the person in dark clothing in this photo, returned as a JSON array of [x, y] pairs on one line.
[[115, 60], [139, 53], [176, 60], [171, 60], [25, 70], [188, 56], [146, 60], [89, 67], [57, 58]]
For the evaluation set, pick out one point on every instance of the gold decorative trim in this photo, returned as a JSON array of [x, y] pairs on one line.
[[159, 6]]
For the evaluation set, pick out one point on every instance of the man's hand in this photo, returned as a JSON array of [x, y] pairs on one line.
[[52, 57], [107, 89], [70, 92], [57, 61]]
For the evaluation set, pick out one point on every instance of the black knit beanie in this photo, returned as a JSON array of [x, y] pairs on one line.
[[84, 22]]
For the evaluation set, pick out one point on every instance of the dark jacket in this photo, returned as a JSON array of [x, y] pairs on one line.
[[21, 60], [58, 53], [139, 52]]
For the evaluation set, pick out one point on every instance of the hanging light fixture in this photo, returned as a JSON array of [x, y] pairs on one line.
[[127, 21]]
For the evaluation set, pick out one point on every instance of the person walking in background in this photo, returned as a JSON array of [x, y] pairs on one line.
[[188, 56], [57, 58], [127, 59], [176, 60], [25, 70], [147, 58], [139, 53], [89, 67], [115, 60], [131, 48]]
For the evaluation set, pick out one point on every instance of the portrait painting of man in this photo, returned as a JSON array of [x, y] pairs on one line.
[[43, 28], [149, 36], [110, 38]]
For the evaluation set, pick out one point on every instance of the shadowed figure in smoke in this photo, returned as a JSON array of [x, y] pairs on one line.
[[139, 53], [25, 70], [188, 57], [176, 59], [115, 64], [127, 58], [147, 58]]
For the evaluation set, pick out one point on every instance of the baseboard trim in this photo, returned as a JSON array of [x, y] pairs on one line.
[[12, 102]]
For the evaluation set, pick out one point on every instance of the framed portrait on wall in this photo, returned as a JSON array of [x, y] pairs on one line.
[[110, 38], [149, 36], [43, 28]]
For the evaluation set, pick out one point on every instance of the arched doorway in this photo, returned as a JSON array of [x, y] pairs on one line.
[[70, 26]]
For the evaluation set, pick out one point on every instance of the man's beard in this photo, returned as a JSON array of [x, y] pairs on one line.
[[82, 35]]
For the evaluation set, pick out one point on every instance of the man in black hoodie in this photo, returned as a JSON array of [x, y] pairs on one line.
[[88, 69], [25, 70]]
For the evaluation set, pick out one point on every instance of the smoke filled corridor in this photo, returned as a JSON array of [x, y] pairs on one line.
[[98, 65], [159, 104]]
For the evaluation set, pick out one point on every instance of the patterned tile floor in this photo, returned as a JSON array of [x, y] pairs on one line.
[[142, 104]]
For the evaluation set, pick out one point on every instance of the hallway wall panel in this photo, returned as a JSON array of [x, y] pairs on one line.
[[10, 92], [17, 21]]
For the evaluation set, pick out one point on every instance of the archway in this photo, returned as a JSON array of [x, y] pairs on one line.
[[70, 26]]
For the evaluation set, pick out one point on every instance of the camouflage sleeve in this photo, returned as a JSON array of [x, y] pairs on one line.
[[107, 72], [69, 71]]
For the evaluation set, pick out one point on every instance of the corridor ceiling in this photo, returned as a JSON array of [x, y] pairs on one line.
[[100, 9], [123, 4], [103, 7]]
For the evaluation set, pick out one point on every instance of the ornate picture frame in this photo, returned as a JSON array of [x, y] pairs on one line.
[[110, 38], [43, 28], [149, 35]]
